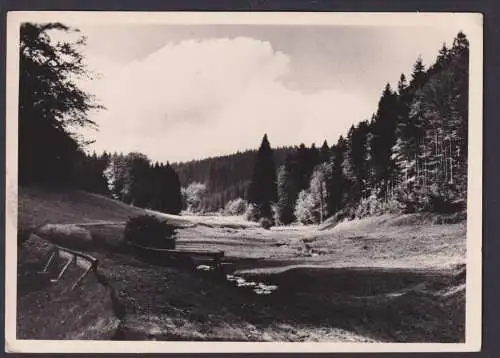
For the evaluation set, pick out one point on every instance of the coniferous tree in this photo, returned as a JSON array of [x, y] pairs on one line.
[[418, 75], [227, 175], [263, 187], [335, 181], [171, 191], [314, 158], [303, 171], [324, 153], [132, 179], [355, 165], [431, 145], [382, 139], [288, 191]]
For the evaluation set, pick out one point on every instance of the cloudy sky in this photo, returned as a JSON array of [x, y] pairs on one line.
[[178, 92]]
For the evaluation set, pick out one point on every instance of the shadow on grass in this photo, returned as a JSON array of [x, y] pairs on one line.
[[387, 305]]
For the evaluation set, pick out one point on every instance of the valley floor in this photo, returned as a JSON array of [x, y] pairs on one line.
[[385, 278]]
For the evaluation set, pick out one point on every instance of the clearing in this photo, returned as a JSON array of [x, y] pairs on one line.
[[386, 278]]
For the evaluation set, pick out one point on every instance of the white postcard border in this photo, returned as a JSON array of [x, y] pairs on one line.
[[470, 23]]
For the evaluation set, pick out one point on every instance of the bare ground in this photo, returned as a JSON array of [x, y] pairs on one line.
[[379, 279]]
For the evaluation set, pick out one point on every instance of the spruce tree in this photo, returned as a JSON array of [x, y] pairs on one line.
[[171, 193], [382, 139], [287, 191], [335, 182], [263, 187], [355, 165], [324, 153]]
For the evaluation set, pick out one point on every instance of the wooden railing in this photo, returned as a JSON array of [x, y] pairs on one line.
[[72, 256]]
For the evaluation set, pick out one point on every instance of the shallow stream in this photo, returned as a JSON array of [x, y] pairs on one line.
[[259, 288]]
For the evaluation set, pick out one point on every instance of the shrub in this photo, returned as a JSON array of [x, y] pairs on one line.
[[194, 196], [266, 223], [148, 230], [252, 213], [305, 208], [442, 199], [276, 214], [237, 206], [377, 206]]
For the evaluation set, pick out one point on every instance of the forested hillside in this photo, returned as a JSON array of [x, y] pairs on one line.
[[410, 156], [226, 177]]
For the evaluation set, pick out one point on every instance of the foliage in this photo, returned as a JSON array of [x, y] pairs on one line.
[[149, 231], [51, 104], [262, 191], [193, 197], [311, 205], [134, 180], [287, 192], [226, 177], [305, 208], [431, 152], [410, 156], [336, 182], [237, 206], [265, 223], [374, 206], [252, 213]]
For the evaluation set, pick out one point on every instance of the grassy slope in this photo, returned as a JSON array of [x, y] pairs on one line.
[[39, 206], [55, 311], [324, 294]]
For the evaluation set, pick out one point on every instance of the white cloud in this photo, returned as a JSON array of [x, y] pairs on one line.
[[201, 98]]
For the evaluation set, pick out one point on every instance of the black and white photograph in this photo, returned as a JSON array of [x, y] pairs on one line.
[[223, 182]]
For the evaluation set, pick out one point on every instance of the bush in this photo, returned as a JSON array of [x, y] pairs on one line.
[[193, 197], [237, 206], [442, 199], [305, 208], [148, 230], [276, 214], [374, 205], [265, 223]]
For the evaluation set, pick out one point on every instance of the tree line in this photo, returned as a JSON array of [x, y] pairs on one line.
[[52, 107], [410, 156], [225, 178], [131, 178]]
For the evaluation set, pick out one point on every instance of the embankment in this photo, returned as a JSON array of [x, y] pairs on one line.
[[54, 310]]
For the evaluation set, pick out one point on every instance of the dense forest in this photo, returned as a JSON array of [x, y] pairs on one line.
[[411, 155], [52, 106], [226, 177]]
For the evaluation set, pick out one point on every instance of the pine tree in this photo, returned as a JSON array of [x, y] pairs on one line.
[[418, 76], [335, 181], [171, 191], [355, 165], [263, 186], [430, 151], [402, 85], [324, 153], [382, 139]]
